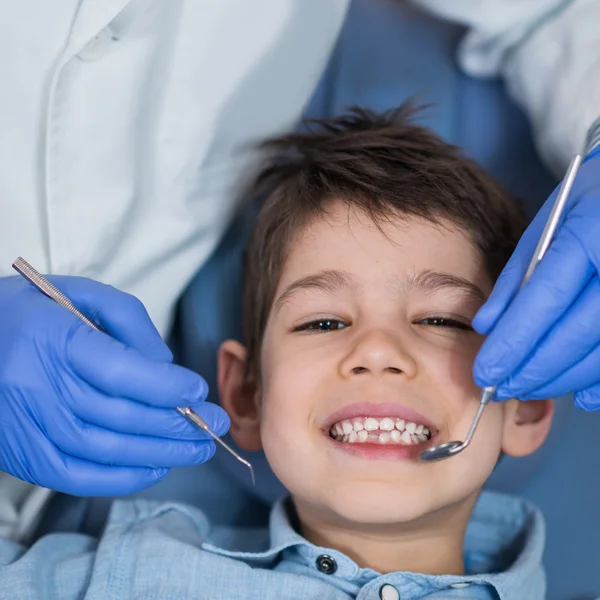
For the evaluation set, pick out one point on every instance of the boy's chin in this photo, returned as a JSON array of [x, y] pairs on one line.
[[394, 508], [370, 509]]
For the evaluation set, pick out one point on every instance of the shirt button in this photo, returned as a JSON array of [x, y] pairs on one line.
[[388, 592], [98, 46], [326, 564], [459, 586]]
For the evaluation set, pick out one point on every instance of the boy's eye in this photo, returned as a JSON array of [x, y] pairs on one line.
[[445, 322], [321, 325]]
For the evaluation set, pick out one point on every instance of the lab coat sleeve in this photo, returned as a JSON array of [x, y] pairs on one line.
[[547, 52]]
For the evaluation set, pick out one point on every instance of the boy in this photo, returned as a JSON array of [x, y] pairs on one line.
[[375, 247]]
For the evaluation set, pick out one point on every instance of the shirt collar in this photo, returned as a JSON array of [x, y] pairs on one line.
[[503, 549], [505, 537], [261, 546]]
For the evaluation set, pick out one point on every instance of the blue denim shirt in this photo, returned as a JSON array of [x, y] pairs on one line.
[[153, 550]]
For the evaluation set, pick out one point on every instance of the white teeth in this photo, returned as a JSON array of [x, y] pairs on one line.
[[371, 424], [380, 431], [386, 424]]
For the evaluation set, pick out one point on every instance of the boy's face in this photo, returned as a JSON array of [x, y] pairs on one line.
[[370, 329]]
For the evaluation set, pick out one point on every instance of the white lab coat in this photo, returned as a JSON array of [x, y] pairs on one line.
[[126, 126]]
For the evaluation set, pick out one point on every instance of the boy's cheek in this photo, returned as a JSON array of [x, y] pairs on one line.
[[486, 444], [452, 373]]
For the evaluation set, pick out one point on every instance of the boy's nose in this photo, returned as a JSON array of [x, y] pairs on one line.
[[378, 352]]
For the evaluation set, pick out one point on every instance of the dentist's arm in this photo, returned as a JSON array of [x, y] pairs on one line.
[[546, 343], [547, 53]]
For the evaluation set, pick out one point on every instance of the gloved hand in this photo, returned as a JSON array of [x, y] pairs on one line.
[[83, 413], [547, 342]]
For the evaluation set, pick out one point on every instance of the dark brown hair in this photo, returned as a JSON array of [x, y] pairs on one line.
[[382, 164]]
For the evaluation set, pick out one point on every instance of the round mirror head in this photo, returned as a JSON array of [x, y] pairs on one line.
[[442, 451]]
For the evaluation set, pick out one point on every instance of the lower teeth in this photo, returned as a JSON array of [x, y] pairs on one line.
[[383, 438]]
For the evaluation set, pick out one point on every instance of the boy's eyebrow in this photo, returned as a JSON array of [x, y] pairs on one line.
[[426, 281], [431, 281], [326, 281]]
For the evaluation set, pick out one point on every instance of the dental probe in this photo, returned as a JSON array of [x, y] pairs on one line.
[[448, 449], [43, 285]]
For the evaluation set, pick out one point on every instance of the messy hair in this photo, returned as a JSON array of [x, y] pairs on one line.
[[386, 166]]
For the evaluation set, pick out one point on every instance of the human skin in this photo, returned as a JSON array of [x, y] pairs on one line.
[[384, 330]]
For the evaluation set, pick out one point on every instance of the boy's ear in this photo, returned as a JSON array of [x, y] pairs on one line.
[[239, 396], [526, 425]]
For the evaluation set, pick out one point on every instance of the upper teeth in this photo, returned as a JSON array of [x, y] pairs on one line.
[[379, 431]]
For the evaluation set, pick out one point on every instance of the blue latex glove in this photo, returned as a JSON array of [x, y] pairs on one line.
[[547, 342], [83, 413]]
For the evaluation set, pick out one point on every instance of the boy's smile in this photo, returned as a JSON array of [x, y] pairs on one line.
[[379, 430], [366, 360]]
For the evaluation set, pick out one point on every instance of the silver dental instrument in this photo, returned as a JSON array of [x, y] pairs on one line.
[[43, 285], [448, 449]]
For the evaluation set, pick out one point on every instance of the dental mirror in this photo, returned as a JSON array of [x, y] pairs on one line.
[[448, 449]]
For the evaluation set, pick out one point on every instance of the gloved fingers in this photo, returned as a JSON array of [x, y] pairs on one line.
[[47, 466], [102, 446], [72, 475], [569, 341], [121, 315], [582, 214], [558, 280], [122, 371], [127, 416], [581, 376], [588, 399], [594, 153]]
